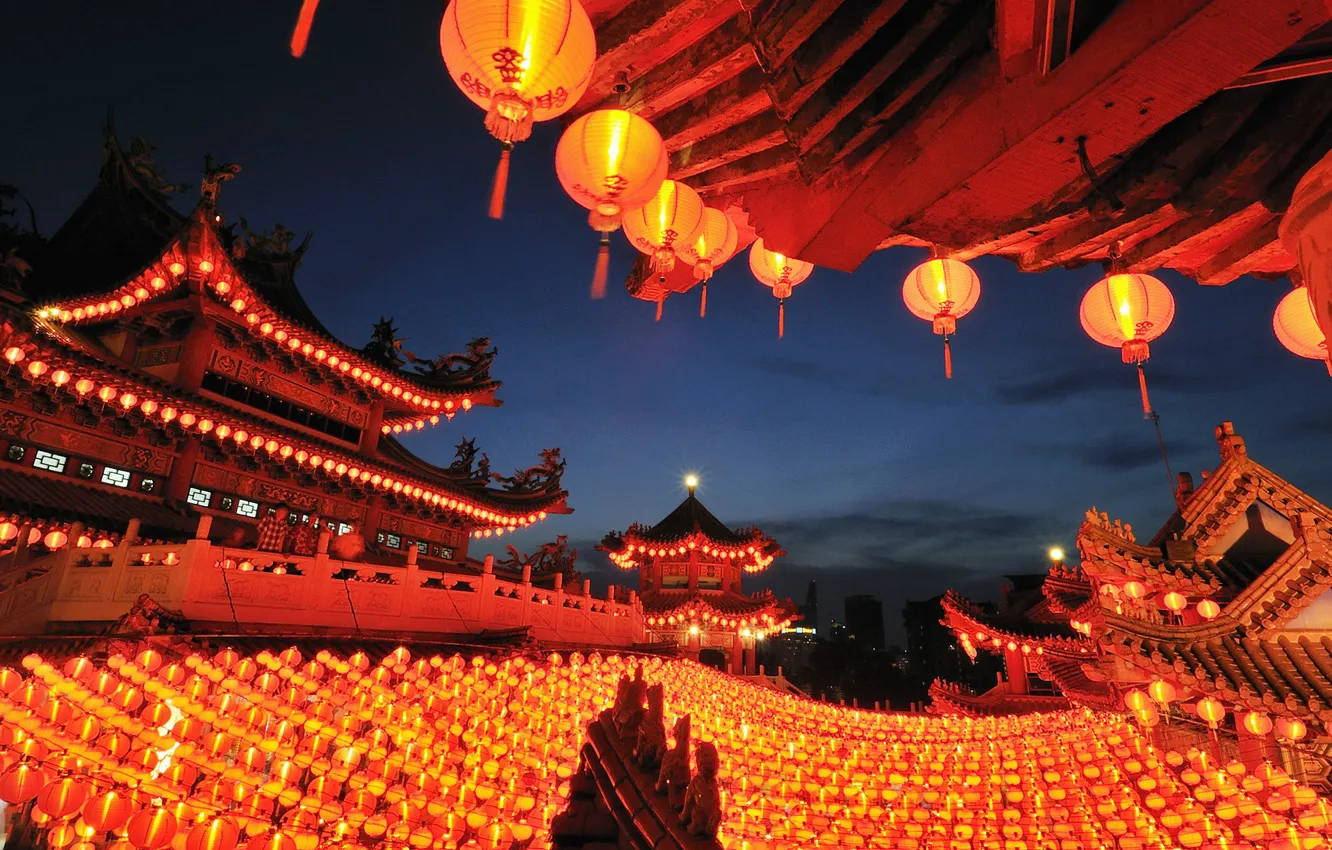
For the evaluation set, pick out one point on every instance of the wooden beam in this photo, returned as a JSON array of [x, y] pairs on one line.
[[989, 149], [1259, 249], [1017, 38], [720, 56], [781, 26], [840, 37], [600, 11], [1190, 235], [1093, 234], [865, 71], [1284, 71], [753, 169], [646, 33], [759, 133], [728, 104]]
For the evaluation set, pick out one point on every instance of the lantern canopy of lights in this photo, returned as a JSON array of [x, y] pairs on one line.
[[520, 60], [779, 273], [1128, 311], [610, 161], [713, 245], [941, 291], [1297, 328]]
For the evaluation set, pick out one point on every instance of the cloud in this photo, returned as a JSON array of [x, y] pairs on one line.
[[881, 383], [1110, 375], [1118, 452]]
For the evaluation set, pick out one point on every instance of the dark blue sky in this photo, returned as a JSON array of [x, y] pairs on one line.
[[843, 440]]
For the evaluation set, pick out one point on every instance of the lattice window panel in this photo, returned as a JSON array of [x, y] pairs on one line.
[[199, 496], [343, 528], [115, 477], [394, 541], [50, 461], [245, 507]]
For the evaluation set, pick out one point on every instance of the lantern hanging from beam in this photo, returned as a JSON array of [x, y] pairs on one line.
[[1128, 311], [780, 273], [1297, 328], [520, 60], [715, 243], [941, 291], [610, 161], [672, 217]]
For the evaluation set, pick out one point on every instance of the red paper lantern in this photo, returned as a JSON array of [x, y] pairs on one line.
[[151, 829], [20, 783], [1297, 328], [1127, 311], [62, 798], [780, 273], [710, 248], [1211, 710], [671, 217], [216, 833], [941, 291], [1257, 723], [108, 811]]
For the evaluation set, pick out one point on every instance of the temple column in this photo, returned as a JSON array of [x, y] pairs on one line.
[[1306, 232], [182, 471], [370, 433], [1017, 671], [750, 666], [197, 354], [374, 507], [737, 655]]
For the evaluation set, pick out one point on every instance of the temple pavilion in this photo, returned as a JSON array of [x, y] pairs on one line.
[[690, 566], [1219, 619]]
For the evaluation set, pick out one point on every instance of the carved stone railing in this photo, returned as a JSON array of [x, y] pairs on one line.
[[227, 589]]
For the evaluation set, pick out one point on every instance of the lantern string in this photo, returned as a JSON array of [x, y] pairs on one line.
[[602, 271], [300, 36], [501, 183], [948, 358], [703, 302], [781, 317], [660, 302], [1142, 385], [346, 588]]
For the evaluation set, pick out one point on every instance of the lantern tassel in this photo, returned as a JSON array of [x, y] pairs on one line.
[[948, 359], [501, 184], [660, 302], [703, 303], [1142, 385], [603, 268], [781, 318], [300, 36]]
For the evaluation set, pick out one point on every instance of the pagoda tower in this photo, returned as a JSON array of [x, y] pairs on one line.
[[690, 567]]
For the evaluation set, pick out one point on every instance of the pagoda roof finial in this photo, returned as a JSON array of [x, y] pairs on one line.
[[691, 482]]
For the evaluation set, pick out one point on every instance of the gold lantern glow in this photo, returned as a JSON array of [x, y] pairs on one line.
[[610, 161], [520, 60], [1297, 328], [709, 249], [671, 217], [781, 274], [941, 291], [1128, 311]]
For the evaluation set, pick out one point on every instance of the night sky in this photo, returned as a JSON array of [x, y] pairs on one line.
[[843, 440]]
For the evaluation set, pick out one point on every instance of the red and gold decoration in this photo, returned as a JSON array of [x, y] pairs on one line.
[[670, 219], [715, 243], [610, 161], [779, 273], [520, 60], [1297, 328], [1128, 311], [941, 291]]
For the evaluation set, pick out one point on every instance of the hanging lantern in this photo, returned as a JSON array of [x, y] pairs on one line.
[[1257, 723], [1175, 601], [610, 161], [1162, 691], [1127, 311], [520, 60], [1207, 609], [942, 291], [715, 243], [779, 272], [671, 217], [1211, 710], [1136, 700], [1297, 327], [1290, 728], [1135, 589]]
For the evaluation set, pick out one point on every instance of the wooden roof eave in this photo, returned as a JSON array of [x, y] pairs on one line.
[[1109, 558]]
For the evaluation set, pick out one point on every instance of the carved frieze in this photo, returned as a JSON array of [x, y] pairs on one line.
[[420, 530], [252, 375], [56, 435], [161, 356]]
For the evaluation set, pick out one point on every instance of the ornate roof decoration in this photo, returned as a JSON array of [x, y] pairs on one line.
[[49, 364], [691, 526], [549, 559], [976, 629], [762, 611]]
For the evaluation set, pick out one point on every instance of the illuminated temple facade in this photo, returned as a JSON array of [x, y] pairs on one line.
[[166, 387], [1227, 601], [690, 566]]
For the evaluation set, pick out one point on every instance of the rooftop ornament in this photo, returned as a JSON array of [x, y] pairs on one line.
[[520, 60], [781, 274], [942, 290], [610, 161]]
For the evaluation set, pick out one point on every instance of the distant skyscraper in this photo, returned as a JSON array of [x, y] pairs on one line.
[[809, 612], [864, 620]]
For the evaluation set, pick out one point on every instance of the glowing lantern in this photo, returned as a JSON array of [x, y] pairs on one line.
[[1162, 691], [781, 273], [14, 354], [8, 531], [521, 61], [671, 217], [62, 798], [1286, 727], [56, 540], [1136, 700], [942, 291], [713, 245], [20, 783], [217, 833], [1148, 715], [1128, 311], [1207, 609], [1257, 723], [151, 829], [1297, 328], [1135, 589], [610, 161], [108, 811], [1175, 601], [1211, 710]]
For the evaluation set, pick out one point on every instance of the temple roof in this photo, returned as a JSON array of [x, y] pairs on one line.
[[691, 517], [64, 499], [951, 698], [691, 526], [1009, 624]]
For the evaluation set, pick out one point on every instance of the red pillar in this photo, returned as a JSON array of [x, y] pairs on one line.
[[370, 433], [182, 470], [197, 354]]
